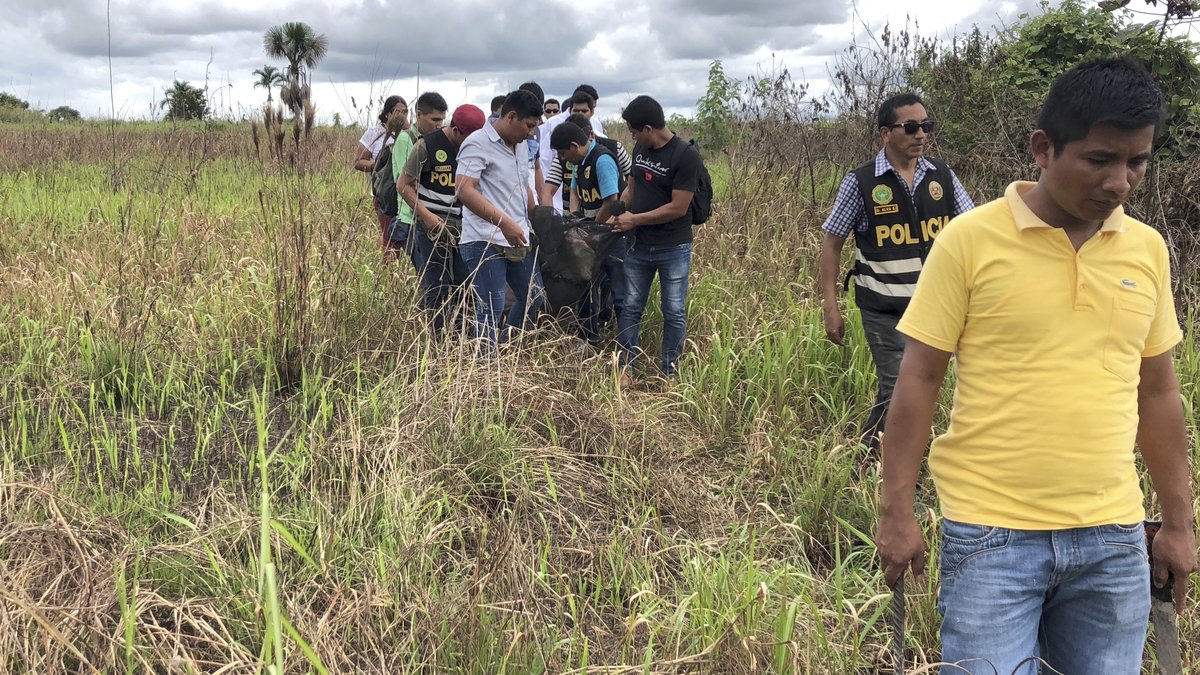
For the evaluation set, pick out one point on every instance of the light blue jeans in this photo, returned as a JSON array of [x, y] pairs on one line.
[[1079, 599]]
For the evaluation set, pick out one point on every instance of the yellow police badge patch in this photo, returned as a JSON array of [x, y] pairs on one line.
[[441, 155], [882, 194], [935, 190], [587, 173]]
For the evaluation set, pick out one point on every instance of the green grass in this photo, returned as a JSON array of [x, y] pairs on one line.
[[174, 500]]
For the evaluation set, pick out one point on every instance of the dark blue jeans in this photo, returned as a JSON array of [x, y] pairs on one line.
[[606, 295], [672, 265], [489, 271], [440, 271]]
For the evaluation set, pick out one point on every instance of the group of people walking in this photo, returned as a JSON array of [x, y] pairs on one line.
[[1056, 305], [466, 193]]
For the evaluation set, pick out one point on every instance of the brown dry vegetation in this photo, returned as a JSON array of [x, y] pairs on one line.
[[228, 443]]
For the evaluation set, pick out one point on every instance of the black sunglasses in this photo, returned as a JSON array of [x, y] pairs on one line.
[[551, 111], [910, 128]]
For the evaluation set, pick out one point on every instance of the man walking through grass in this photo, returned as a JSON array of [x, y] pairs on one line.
[[895, 206], [1058, 308]]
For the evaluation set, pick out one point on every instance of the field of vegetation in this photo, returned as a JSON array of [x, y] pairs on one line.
[[229, 443]]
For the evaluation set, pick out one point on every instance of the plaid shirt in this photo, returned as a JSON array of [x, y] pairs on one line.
[[849, 213]]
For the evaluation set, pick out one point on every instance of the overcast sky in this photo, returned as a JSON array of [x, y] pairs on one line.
[[55, 52]]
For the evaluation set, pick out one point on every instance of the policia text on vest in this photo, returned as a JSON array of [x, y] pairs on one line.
[[900, 231]]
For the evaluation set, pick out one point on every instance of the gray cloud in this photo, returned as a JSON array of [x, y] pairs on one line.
[[57, 49]]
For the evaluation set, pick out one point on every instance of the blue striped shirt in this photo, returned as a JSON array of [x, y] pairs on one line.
[[849, 212]]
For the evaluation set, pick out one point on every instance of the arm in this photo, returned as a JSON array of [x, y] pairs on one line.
[[546, 193], [467, 189], [1162, 437], [899, 539], [408, 191], [363, 160], [530, 201], [962, 200], [540, 181], [829, 268], [605, 209], [680, 201], [576, 206], [684, 182]]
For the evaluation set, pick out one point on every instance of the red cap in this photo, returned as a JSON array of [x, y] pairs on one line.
[[468, 119]]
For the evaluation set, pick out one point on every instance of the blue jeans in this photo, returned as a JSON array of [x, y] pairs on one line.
[[440, 270], [606, 296], [671, 264], [1078, 598], [489, 270]]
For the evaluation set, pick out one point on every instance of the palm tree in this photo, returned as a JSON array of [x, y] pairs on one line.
[[302, 47], [268, 76], [184, 102]]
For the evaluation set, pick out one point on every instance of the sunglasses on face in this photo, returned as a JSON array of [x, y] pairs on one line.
[[910, 128], [551, 111]]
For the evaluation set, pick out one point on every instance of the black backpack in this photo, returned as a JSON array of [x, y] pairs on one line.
[[383, 186], [702, 199]]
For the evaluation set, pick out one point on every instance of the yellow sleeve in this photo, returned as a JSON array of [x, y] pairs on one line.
[[938, 310], [1164, 327]]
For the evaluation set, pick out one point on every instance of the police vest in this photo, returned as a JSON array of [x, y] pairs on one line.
[[587, 181], [899, 234], [435, 189]]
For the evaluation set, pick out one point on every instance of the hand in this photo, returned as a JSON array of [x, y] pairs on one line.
[[512, 232], [433, 224], [900, 544], [1175, 554], [835, 325], [622, 223]]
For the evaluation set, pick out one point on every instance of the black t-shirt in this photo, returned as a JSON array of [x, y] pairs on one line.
[[655, 174]]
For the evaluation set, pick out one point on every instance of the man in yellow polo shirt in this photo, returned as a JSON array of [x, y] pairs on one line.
[[1058, 308]]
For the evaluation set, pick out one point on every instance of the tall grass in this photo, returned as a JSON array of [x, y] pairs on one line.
[[228, 441]]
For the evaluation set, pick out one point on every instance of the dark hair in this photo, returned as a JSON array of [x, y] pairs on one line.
[[566, 134], [498, 102], [1116, 91], [589, 90], [389, 104], [887, 109], [580, 120], [431, 101], [535, 89], [522, 102], [584, 98], [643, 112], [549, 101]]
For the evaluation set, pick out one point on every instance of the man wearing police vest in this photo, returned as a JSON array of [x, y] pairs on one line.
[[595, 187], [895, 205], [427, 185]]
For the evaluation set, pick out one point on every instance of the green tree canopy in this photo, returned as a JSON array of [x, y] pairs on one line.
[[7, 100], [63, 114], [185, 102]]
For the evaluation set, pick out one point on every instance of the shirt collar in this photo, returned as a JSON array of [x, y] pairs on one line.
[[492, 134], [591, 148], [1027, 220], [882, 165]]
